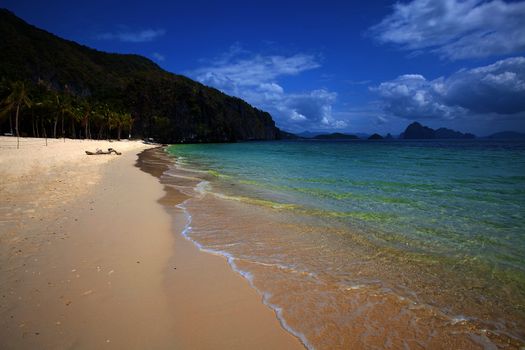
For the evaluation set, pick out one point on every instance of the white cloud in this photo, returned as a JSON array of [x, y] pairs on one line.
[[255, 78], [308, 110], [158, 56], [134, 37], [455, 29], [497, 89], [257, 69], [412, 96]]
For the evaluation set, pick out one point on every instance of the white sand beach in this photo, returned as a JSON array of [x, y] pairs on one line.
[[89, 259]]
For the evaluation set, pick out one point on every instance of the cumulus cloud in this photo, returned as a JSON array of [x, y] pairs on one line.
[[497, 89], [255, 78], [455, 29], [311, 109], [133, 37], [412, 96]]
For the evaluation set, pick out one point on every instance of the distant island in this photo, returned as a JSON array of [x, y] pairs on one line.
[[416, 131], [507, 135], [376, 137]]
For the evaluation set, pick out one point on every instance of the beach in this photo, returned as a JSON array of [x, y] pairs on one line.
[[226, 246], [91, 257]]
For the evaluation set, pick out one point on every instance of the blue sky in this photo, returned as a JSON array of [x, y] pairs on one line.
[[343, 66]]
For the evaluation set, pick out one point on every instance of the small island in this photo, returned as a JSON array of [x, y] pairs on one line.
[[416, 131], [375, 137]]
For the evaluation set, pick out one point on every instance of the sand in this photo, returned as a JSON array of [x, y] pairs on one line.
[[90, 259]]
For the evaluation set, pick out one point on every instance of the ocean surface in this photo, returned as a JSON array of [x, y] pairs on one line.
[[361, 244]]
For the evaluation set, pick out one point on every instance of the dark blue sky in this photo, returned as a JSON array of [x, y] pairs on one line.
[[331, 65]]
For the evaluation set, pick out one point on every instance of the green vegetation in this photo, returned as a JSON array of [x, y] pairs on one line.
[[80, 92], [41, 111], [14, 101]]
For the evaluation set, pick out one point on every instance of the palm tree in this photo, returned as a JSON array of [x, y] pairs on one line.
[[62, 108], [100, 114], [128, 123], [113, 122], [16, 99], [84, 110], [120, 121]]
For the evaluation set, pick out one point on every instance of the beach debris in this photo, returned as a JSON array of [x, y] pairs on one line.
[[110, 272], [99, 151], [87, 292]]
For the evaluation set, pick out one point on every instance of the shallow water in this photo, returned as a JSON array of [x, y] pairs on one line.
[[369, 244]]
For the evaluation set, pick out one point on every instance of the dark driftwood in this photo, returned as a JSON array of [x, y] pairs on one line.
[[98, 152]]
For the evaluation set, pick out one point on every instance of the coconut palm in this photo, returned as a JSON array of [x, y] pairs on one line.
[[14, 101], [119, 121], [84, 111], [128, 123]]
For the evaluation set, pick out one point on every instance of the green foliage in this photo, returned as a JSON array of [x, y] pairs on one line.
[[93, 90]]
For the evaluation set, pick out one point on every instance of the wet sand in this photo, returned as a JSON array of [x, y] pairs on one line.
[[214, 307], [90, 259]]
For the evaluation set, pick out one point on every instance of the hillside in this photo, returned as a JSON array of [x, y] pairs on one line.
[[166, 106]]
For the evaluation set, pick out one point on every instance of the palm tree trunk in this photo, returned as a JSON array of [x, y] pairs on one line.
[[55, 128], [63, 132], [37, 128], [16, 125], [44, 130], [11, 122], [33, 122]]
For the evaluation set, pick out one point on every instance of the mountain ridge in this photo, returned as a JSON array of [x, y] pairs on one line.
[[166, 106]]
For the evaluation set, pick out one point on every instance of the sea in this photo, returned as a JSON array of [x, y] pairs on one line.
[[368, 244]]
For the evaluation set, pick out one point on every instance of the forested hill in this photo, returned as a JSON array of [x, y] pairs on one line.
[[88, 87]]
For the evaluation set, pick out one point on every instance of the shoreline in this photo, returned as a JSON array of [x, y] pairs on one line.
[[91, 259], [233, 315], [246, 275], [278, 252]]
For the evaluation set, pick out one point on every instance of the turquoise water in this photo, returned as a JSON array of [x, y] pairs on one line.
[[450, 215], [447, 198]]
